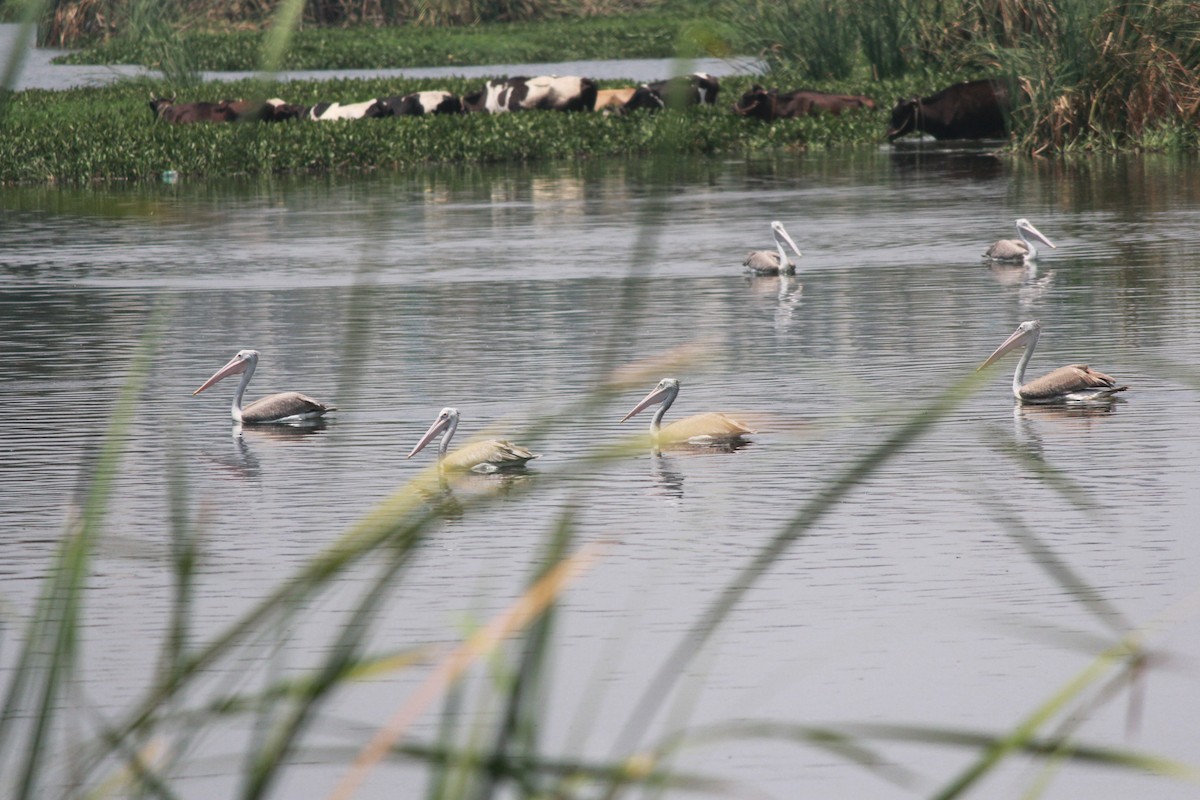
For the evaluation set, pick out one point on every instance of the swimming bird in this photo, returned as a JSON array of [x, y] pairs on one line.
[[699, 428], [1022, 249], [773, 262], [486, 456], [282, 407], [1075, 382]]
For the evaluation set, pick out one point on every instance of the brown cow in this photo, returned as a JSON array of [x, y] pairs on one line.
[[614, 98], [771, 105], [168, 110]]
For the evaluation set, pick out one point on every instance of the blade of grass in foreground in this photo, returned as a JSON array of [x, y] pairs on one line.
[[800, 525], [43, 670]]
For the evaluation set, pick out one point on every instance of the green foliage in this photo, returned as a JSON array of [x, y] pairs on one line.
[[1087, 73], [640, 36]]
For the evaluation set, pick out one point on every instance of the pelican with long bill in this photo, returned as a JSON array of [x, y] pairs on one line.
[[282, 407], [491, 455], [773, 262], [1021, 249], [1072, 383], [697, 429]]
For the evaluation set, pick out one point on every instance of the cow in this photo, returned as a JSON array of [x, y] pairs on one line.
[[613, 98], [331, 111], [699, 88], [968, 110], [771, 105], [415, 105], [167, 110], [550, 92]]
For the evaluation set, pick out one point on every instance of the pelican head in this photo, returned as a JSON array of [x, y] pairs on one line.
[[244, 361], [447, 418], [664, 393], [1026, 231], [1026, 335], [781, 236]]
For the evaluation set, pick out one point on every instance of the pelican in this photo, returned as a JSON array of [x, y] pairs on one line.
[[487, 456], [773, 262], [699, 428], [282, 407], [1021, 249], [1075, 382]]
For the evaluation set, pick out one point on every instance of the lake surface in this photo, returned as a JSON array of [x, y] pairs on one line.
[[512, 293]]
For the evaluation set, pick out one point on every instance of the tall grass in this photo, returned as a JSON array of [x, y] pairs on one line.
[[1088, 73]]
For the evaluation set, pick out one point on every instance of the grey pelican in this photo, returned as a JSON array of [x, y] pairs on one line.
[[487, 456], [1075, 382], [1021, 249], [699, 428], [773, 262], [282, 407]]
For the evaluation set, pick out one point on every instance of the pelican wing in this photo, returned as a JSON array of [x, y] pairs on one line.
[[766, 262], [1007, 250], [488, 456], [285, 405], [1064, 382], [703, 427]]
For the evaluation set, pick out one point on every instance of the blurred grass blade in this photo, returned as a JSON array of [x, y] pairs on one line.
[[283, 26], [800, 525], [47, 660], [524, 611], [22, 41], [525, 699]]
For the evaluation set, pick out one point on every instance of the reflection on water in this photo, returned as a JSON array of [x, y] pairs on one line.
[[507, 290]]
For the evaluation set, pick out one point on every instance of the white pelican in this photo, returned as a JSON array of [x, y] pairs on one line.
[[1075, 382], [282, 407], [1021, 249], [699, 428], [487, 456], [773, 262]]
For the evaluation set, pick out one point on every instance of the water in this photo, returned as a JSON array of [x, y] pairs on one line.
[[497, 290]]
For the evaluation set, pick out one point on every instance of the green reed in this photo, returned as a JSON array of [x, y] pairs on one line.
[[1097, 74]]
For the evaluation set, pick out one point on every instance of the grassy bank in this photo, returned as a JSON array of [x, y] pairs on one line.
[[108, 134], [647, 35]]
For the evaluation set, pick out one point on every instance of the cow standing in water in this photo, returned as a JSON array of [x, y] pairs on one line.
[[771, 105], [545, 92], [969, 110]]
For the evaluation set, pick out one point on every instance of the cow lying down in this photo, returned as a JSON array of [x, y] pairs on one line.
[[772, 105], [415, 105], [274, 110], [548, 92]]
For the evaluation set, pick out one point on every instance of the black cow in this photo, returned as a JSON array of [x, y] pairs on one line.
[[771, 105], [968, 110], [415, 105], [549, 92], [699, 88]]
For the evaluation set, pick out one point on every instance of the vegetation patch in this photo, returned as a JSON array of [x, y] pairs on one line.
[[109, 134], [366, 47]]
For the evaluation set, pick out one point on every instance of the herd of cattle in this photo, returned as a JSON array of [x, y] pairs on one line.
[[969, 110]]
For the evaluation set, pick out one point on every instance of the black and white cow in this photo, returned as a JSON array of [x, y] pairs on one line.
[[568, 93], [699, 88], [330, 111], [415, 105]]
